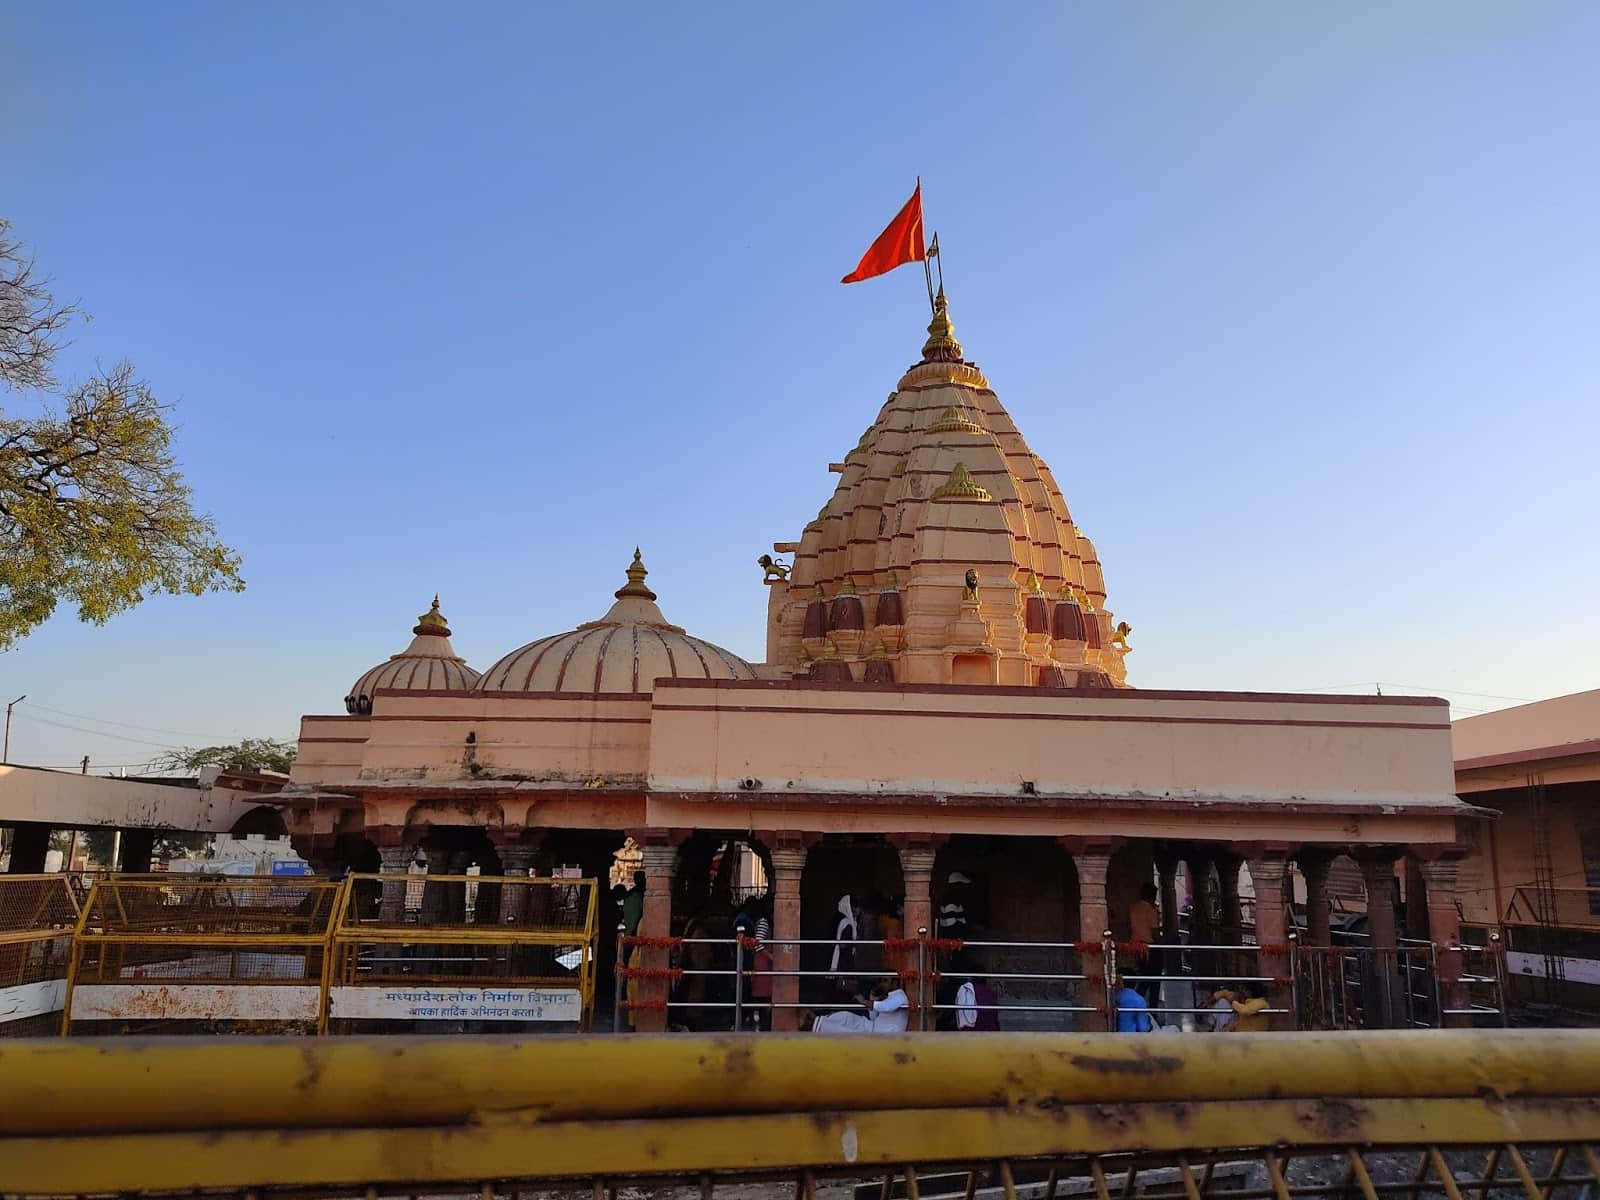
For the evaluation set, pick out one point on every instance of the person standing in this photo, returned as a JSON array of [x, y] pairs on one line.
[[977, 1006], [1143, 921]]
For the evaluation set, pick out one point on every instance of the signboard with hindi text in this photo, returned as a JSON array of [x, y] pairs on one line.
[[455, 1004]]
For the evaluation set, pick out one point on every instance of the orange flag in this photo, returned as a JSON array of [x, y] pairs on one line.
[[897, 245]]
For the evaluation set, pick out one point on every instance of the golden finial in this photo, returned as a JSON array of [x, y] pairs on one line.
[[1066, 593], [899, 467], [879, 652], [955, 420], [960, 486], [433, 621], [941, 345], [848, 587], [830, 652], [819, 594], [1034, 585], [894, 583], [635, 585]]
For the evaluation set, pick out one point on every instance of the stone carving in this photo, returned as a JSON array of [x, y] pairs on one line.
[[1119, 636], [772, 569], [970, 592]]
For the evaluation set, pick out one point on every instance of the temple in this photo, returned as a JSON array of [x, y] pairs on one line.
[[944, 706]]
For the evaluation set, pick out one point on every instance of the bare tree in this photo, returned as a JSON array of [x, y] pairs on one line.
[[31, 321]]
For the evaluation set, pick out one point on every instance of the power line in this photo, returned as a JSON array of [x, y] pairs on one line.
[[61, 712], [121, 737]]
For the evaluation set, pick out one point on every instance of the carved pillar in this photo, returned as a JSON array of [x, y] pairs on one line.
[[1092, 862], [1384, 998], [1444, 930], [1314, 866], [394, 860], [788, 862], [916, 875], [516, 862], [660, 872], [1268, 872]]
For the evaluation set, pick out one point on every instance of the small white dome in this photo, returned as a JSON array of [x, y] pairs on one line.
[[430, 663], [627, 650]]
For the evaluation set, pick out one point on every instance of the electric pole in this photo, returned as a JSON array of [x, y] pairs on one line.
[[5, 757]]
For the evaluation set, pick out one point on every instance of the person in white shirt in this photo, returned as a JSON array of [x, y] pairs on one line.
[[888, 1011]]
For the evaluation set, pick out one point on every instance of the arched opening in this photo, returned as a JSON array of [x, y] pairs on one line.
[[262, 821]]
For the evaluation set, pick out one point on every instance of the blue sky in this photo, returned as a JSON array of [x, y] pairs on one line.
[[1298, 301]]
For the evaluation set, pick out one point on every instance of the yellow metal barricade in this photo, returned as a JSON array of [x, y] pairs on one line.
[[1448, 1114], [185, 955], [38, 914], [453, 953]]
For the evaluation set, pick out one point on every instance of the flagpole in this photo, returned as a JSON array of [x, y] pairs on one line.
[[927, 267]]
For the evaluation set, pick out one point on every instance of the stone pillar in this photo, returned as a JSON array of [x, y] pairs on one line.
[[660, 873], [30, 842], [1314, 866], [916, 875], [1167, 869], [788, 862], [1092, 862], [1444, 930], [394, 860], [516, 862], [1268, 872], [138, 847], [1232, 931], [1384, 998]]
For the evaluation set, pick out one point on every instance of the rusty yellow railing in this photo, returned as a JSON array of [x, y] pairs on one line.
[[1456, 1114], [38, 914]]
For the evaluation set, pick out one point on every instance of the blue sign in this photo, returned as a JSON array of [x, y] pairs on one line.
[[290, 866]]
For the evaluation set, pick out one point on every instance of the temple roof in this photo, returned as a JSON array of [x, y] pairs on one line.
[[942, 482], [429, 663], [626, 650]]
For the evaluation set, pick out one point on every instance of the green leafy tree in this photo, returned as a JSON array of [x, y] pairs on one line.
[[93, 508], [251, 754]]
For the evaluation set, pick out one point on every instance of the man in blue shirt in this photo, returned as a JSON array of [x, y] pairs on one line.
[[1133, 1011]]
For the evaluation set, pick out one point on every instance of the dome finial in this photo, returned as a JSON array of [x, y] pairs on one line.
[[941, 345], [635, 585], [432, 621]]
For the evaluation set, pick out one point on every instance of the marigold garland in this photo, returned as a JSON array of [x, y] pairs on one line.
[[650, 973], [652, 943]]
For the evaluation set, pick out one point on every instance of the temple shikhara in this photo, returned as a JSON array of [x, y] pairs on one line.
[[945, 718]]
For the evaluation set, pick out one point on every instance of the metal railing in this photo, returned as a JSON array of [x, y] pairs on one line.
[[38, 914], [720, 983], [1449, 1115], [180, 953]]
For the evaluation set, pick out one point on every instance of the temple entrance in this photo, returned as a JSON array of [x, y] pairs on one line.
[[866, 870], [989, 890]]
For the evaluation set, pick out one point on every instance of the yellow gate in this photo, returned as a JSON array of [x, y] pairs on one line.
[[463, 952], [1448, 1114], [37, 916], [181, 955]]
